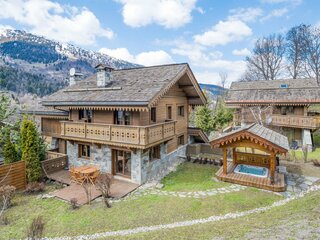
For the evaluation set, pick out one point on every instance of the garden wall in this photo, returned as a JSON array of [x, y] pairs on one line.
[[14, 174]]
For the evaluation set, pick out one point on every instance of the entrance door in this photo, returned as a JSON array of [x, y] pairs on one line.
[[122, 163]]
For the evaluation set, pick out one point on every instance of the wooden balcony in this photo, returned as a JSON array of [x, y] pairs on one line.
[[119, 135], [309, 122]]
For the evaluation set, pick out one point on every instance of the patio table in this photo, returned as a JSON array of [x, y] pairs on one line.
[[86, 171]]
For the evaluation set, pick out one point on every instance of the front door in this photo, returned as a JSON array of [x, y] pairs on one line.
[[122, 163]]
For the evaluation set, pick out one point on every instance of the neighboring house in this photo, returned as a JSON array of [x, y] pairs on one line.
[[132, 123], [282, 105]]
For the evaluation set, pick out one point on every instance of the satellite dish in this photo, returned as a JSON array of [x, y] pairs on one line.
[[72, 71]]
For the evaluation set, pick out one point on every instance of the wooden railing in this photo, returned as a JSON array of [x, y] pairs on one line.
[[54, 162], [127, 135], [253, 159], [309, 122]]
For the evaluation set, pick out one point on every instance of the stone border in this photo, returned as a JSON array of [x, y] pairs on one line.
[[188, 223]]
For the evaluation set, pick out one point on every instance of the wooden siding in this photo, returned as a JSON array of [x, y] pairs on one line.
[[50, 127], [106, 117], [14, 174]]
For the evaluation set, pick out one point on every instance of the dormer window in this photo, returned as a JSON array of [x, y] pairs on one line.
[[284, 86]]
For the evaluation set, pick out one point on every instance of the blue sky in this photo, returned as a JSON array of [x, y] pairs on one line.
[[212, 36]]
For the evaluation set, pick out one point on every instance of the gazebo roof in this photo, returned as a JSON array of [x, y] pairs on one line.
[[256, 134]]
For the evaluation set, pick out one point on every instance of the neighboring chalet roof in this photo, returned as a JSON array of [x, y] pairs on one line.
[[42, 111], [285, 91], [198, 133], [141, 86], [257, 134]]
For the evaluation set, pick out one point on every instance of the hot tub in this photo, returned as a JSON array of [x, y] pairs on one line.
[[251, 170]]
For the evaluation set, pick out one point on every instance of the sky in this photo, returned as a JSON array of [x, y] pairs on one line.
[[213, 36]]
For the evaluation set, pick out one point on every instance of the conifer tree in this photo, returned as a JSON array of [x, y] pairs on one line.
[[204, 118], [9, 151], [30, 150]]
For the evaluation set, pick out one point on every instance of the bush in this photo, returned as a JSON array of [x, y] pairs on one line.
[[74, 203], [35, 187], [36, 228], [6, 195]]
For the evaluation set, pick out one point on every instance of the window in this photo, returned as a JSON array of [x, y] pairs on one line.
[[85, 114], [122, 118], [181, 140], [84, 151], [181, 111], [169, 112], [154, 153], [153, 115]]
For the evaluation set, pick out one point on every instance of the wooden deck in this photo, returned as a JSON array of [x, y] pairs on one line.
[[119, 188], [247, 180]]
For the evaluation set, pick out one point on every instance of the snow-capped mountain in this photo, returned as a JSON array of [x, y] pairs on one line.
[[34, 64]]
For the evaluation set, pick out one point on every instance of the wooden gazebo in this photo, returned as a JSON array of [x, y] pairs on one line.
[[253, 145]]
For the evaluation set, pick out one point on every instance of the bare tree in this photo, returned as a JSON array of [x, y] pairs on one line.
[[261, 113], [266, 60], [312, 51], [103, 183], [223, 78], [295, 50]]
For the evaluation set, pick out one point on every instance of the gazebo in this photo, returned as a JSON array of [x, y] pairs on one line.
[[254, 152]]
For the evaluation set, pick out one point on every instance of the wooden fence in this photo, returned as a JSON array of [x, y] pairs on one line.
[[14, 174]]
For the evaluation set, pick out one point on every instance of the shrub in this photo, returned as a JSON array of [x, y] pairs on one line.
[[4, 220], [74, 203], [9, 151], [103, 183], [35, 187], [36, 228], [6, 194]]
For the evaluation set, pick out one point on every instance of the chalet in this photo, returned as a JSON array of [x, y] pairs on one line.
[[132, 123], [286, 106]]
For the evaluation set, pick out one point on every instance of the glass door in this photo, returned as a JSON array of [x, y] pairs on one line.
[[122, 163]]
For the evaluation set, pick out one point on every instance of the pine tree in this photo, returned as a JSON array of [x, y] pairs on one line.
[[9, 151], [30, 150], [204, 118]]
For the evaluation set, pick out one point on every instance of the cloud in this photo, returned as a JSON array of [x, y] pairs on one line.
[[293, 2], [279, 12], [223, 33], [60, 22], [241, 52], [167, 13], [149, 58], [245, 14]]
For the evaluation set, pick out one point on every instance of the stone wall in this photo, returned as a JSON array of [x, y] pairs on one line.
[[100, 156], [157, 169]]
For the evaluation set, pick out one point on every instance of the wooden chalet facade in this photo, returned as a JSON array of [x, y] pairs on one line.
[[132, 123], [286, 106]]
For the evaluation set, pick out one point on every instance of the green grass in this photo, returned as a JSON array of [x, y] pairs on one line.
[[144, 211], [192, 177], [298, 155], [298, 219]]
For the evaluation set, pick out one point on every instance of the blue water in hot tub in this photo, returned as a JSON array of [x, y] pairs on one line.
[[252, 170]]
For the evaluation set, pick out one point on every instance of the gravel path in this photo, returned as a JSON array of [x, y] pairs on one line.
[[191, 222]]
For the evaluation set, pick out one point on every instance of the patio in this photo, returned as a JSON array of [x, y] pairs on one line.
[[119, 188]]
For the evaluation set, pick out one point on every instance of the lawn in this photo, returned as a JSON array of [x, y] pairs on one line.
[[297, 155], [299, 219], [192, 177], [143, 211]]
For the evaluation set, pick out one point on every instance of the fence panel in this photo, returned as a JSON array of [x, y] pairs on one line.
[[14, 174]]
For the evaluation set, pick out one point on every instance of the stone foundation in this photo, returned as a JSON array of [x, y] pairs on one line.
[[100, 156]]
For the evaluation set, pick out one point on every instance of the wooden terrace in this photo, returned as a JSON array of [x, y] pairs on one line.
[[279, 184]]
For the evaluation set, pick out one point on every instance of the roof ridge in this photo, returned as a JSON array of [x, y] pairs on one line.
[[161, 65]]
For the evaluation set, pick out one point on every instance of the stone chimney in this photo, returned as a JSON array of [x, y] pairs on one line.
[[74, 76], [104, 75]]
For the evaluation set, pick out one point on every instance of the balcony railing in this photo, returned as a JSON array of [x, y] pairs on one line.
[[136, 136], [309, 122]]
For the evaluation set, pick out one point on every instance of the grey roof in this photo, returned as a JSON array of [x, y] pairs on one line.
[[263, 132], [297, 91], [136, 86]]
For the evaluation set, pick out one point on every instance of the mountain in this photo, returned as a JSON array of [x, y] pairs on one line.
[[215, 90], [36, 65]]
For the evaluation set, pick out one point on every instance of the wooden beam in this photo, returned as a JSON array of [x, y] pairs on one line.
[[234, 155], [272, 167], [225, 162]]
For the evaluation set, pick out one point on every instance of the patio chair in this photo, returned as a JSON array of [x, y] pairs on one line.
[[79, 178], [93, 177], [73, 178]]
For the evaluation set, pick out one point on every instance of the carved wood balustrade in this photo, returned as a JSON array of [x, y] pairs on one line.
[[135, 136]]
